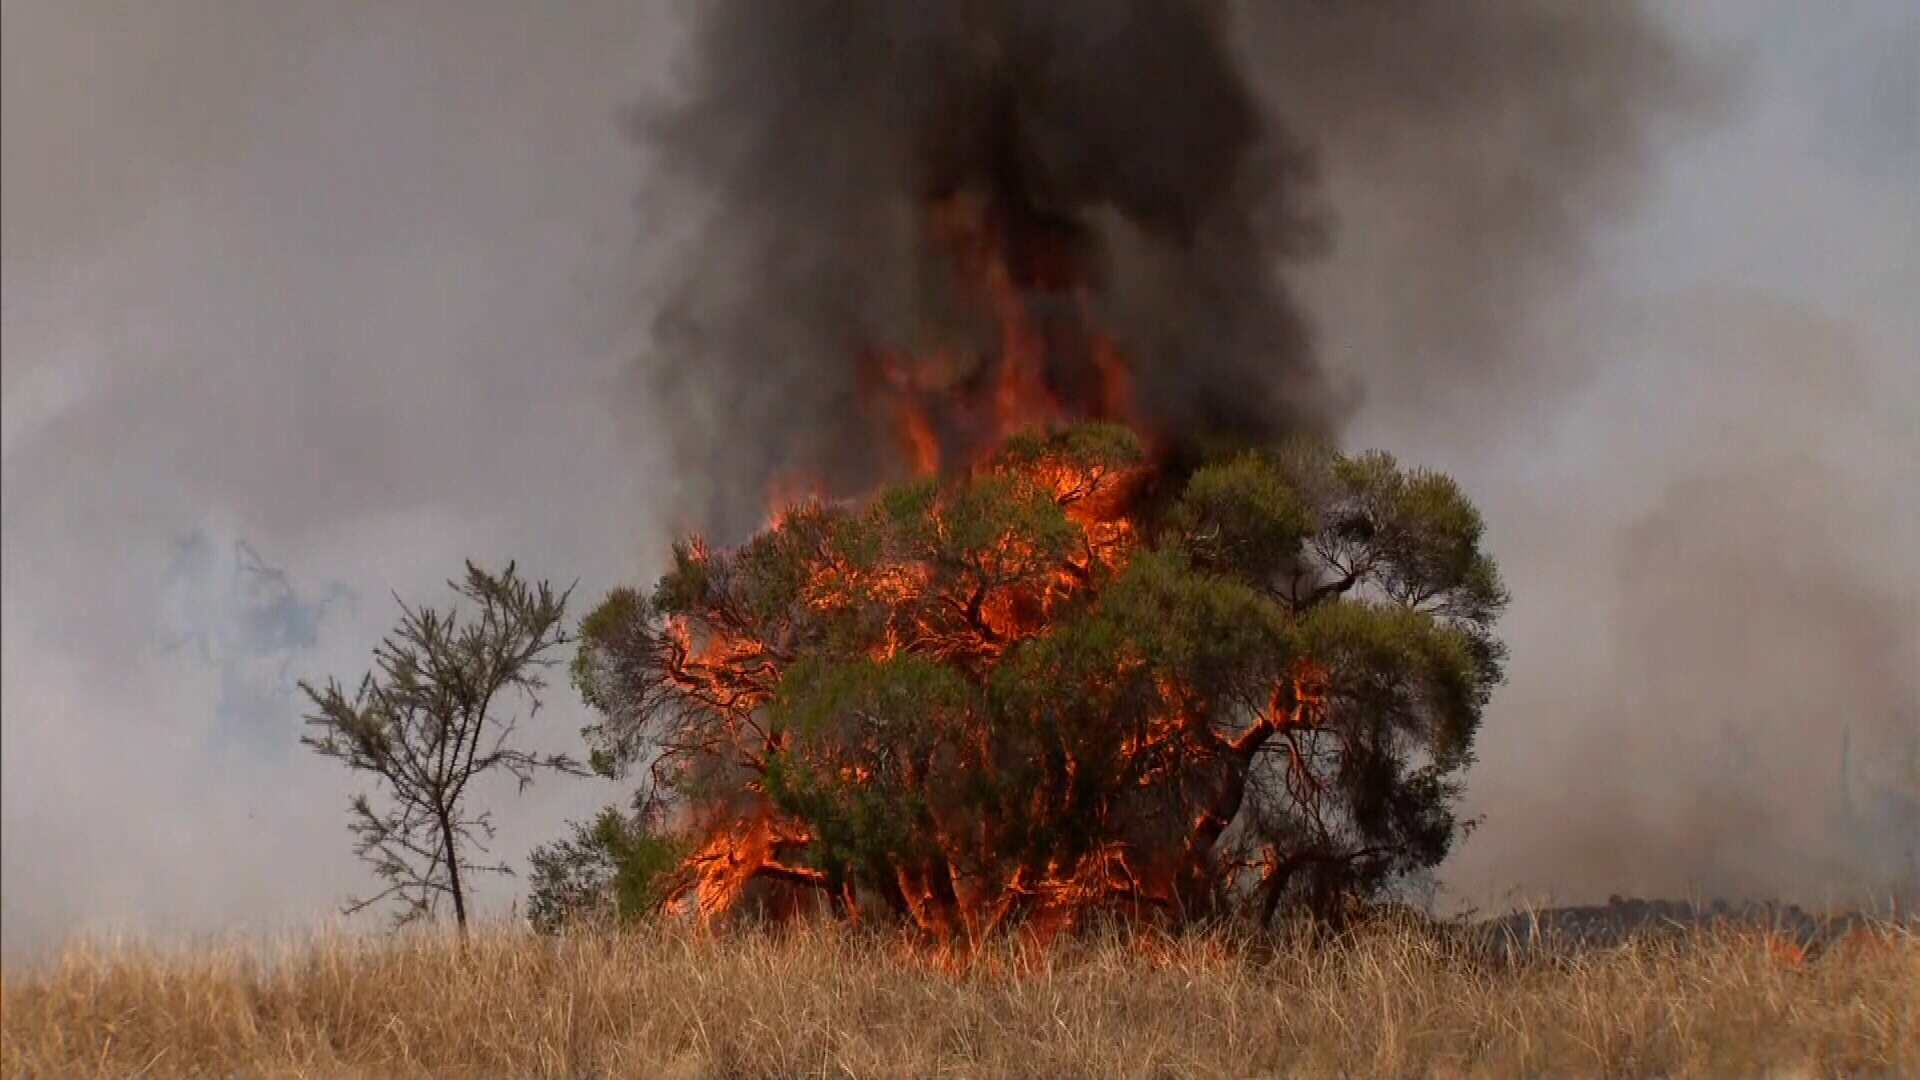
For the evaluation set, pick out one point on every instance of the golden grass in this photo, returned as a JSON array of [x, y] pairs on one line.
[[1393, 1002]]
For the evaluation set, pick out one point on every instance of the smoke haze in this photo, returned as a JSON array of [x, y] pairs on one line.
[[363, 286], [349, 285]]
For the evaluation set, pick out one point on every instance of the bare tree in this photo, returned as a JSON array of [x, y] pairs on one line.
[[430, 719]]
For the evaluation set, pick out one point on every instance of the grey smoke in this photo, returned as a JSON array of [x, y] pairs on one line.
[[1725, 695], [350, 282]]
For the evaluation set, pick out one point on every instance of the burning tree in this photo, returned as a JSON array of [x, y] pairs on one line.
[[1104, 639], [1063, 680]]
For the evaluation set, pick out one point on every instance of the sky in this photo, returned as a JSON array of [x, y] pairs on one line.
[[350, 288]]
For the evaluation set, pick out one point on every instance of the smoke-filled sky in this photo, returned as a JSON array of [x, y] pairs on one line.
[[364, 286]]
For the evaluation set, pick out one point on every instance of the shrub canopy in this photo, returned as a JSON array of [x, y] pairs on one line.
[[1067, 681]]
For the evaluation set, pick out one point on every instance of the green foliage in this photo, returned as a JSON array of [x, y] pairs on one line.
[[969, 684], [1242, 517], [613, 868], [428, 721]]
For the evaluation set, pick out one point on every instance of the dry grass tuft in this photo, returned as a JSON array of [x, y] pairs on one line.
[[1393, 1001]]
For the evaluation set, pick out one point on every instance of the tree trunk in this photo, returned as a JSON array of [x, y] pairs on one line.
[[453, 870]]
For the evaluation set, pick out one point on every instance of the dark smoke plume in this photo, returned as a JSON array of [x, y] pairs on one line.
[[1182, 151]]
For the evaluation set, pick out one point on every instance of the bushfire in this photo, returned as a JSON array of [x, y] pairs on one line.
[[1049, 366], [1086, 622]]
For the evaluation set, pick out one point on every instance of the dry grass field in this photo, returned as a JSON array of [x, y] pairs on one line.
[[1393, 1001]]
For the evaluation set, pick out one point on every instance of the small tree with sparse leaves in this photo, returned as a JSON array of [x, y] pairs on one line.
[[438, 712]]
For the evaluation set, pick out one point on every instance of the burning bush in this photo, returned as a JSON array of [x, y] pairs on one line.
[[1068, 679], [1110, 641]]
